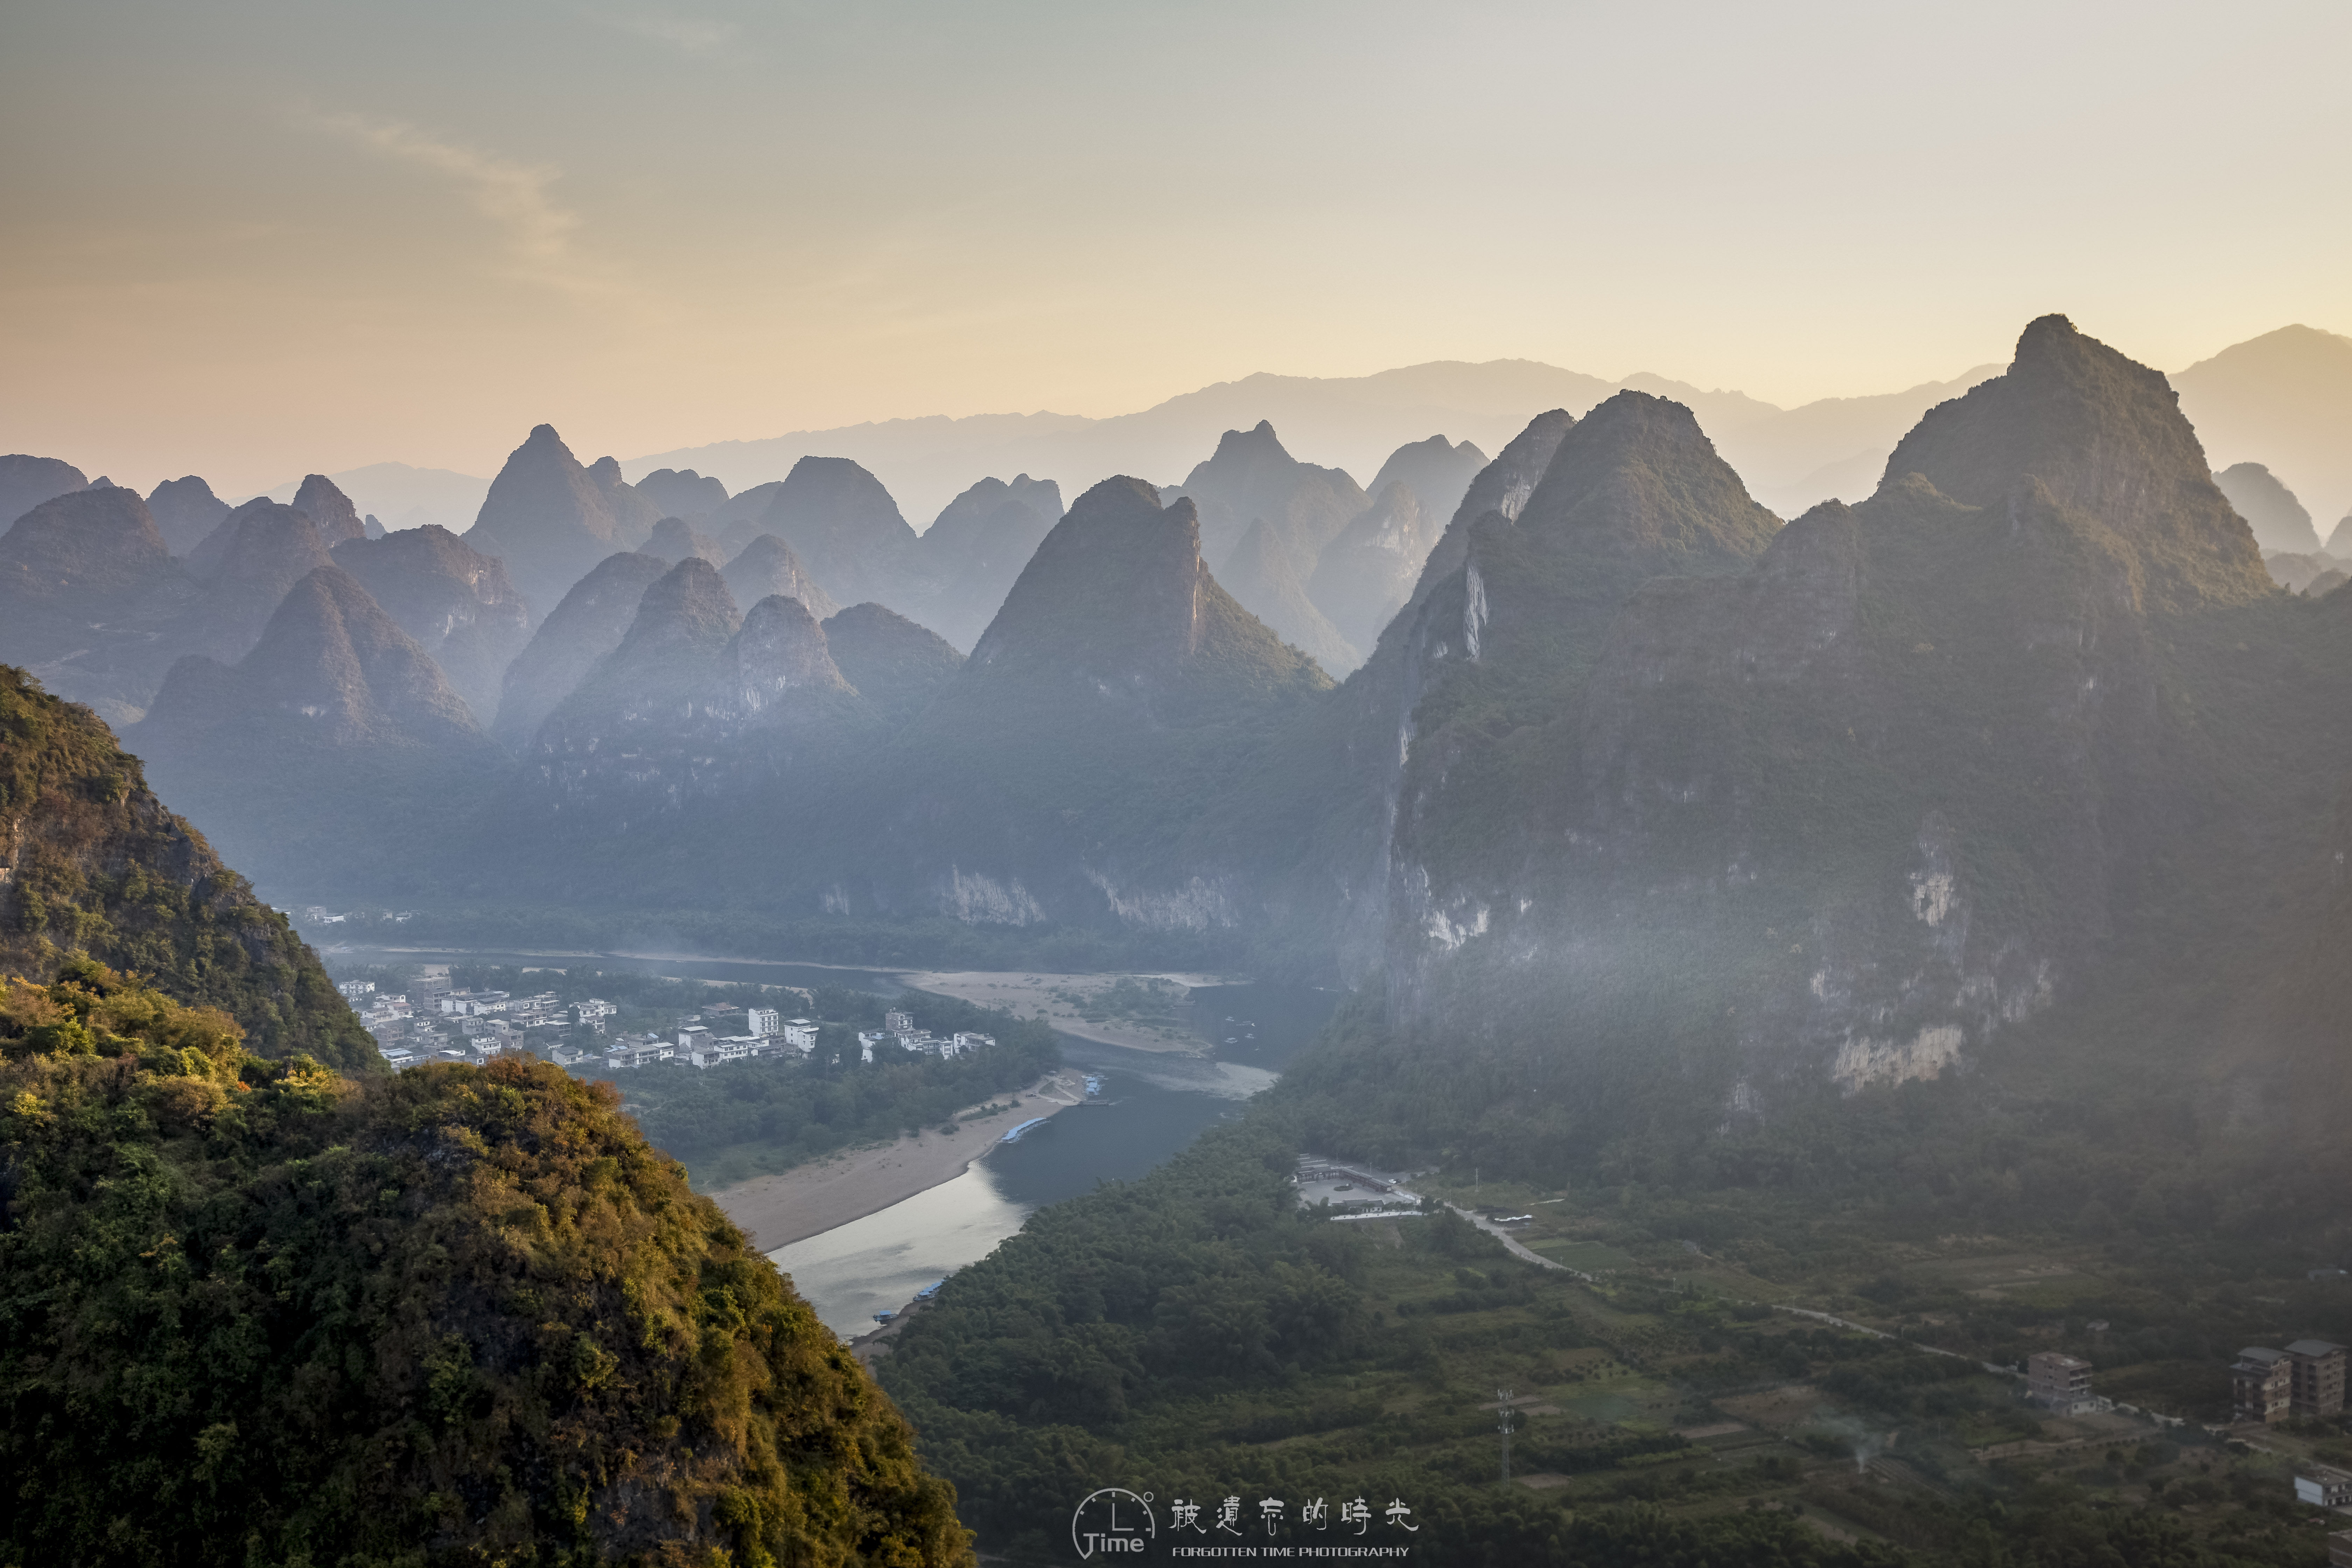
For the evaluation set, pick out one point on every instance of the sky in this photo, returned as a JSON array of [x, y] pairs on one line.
[[254, 239]]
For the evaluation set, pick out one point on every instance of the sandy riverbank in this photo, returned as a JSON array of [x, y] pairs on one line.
[[1049, 998], [776, 1211]]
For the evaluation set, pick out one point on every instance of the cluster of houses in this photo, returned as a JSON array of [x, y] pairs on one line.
[[2306, 1379], [436, 1023]]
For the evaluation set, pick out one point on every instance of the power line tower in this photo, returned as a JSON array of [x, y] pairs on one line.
[[1503, 1398]]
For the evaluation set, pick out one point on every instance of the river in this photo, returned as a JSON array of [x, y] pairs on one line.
[[1153, 1104]]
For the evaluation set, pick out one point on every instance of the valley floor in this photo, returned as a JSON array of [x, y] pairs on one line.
[[1070, 1002], [776, 1211]]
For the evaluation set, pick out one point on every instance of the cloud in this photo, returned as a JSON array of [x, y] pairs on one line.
[[689, 35], [538, 230]]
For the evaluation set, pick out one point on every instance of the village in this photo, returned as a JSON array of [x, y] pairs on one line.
[[434, 1022]]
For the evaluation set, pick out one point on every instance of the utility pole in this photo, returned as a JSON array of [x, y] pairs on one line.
[[1503, 1398]]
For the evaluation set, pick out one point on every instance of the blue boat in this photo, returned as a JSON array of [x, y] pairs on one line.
[[1094, 1084], [1015, 1136], [929, 1290], [884, 1316]]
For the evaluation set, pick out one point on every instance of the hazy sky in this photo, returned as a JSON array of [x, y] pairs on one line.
[[250, 239]]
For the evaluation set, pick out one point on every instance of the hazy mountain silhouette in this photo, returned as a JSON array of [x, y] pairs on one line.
[[27, 481], [455, 600], [587, 625], [682, 493], [970, 555], [330, 508], [1365, 574], [185, 510], [2285, 400], [897, 666], [367, 745], [551, 520], [674, 539], [844, 529], [1438, 470], [767, 566], [2278, 519]]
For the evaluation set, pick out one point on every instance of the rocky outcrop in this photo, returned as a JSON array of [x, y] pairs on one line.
[[27, 481], [455, 600], [185, 510], [551, 520], [783, 668], [767, 566], [330, 508], [587, 625]]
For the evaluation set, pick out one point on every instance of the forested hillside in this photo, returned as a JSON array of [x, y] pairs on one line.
[[255, 1310]]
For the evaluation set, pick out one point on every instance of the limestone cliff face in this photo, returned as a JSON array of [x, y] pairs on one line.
[[455, 600], [550, 520], [1841, 815]]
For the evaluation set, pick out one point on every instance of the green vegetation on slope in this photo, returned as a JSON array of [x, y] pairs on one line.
[[256, 1311], [1197, 1336], [94, 863]]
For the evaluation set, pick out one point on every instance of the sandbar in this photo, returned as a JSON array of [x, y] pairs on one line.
[[807, 1200], [1028, 994]]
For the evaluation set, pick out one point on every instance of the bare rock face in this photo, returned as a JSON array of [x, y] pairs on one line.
[[674, 539], [455, 600], [575, 637], [2278, 520], [682, 492], [1884, 788], [845, 530], [767, 566], [330, 508], [27, 481], [185, 510], [552, 520]]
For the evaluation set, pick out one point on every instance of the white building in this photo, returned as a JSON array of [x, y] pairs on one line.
[[763, 1021], [353, 990], [692, 1037], [963, 1043], [799, 1032], [898, 1023]]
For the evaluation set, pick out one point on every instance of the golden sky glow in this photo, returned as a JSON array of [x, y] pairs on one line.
[[251, 240]]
